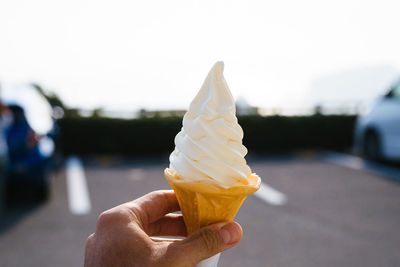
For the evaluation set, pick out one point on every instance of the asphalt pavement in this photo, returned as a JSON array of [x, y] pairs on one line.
[[312, 211]]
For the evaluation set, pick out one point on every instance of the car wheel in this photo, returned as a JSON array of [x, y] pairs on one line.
[[372, 146]]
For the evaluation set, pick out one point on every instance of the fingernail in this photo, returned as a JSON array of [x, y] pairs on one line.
[[230, 233]]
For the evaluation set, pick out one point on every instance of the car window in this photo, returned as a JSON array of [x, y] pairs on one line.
[[36, 108]]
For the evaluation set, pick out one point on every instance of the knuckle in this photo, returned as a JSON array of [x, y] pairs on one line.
[[89, 240], [111, 217], [153, 194], [104, 218], [157, 192], [210, 240]]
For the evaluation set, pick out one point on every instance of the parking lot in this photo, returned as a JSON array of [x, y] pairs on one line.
[[313, 210]]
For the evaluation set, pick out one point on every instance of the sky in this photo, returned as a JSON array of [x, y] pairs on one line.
[[127, 55]]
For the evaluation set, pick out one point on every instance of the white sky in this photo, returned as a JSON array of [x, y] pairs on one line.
[[125, 55]]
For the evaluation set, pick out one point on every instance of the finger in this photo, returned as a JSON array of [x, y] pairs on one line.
[[153, 206], [207, 242], [169, 225]]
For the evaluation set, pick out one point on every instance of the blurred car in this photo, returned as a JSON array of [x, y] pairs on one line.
[[377, 133], [3, 142], [3, 152], [29, 142]]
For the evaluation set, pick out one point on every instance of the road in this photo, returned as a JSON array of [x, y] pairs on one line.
[[328, 215]]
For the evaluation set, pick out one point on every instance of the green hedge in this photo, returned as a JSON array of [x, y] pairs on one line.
[[301, 132], [149, 136]]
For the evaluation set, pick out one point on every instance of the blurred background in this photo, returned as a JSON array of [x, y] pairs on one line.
[[92, 94]]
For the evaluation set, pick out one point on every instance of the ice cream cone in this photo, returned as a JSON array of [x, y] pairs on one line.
[[205, 202]]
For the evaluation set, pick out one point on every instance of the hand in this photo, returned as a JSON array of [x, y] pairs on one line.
[[122, 236]]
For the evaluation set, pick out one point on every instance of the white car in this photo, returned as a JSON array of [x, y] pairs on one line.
[[377, 133]]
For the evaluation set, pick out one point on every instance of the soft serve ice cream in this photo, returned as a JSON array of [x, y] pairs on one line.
[[209, 146], [207, 169]]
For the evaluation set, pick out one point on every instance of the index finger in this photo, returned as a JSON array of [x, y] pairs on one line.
[[153, 206]]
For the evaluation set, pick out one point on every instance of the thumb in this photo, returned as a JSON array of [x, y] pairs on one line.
[[209, 241]]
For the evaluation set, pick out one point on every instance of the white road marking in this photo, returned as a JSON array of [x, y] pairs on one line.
[[78, 194], [271, 195], [357, 163], [136, 174]]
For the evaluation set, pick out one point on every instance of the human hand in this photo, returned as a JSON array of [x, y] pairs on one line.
[[123, 235]]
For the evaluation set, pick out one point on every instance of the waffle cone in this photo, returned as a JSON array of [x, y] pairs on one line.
[[204, 203]]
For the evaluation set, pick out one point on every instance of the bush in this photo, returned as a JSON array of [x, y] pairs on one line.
[[149, 136], [277, 133]]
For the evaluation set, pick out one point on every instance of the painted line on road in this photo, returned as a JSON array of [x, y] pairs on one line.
[[357, 163], [136, 174], [78, 194], [271, 195]]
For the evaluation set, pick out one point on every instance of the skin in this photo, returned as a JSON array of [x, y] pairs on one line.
[[125, 235]]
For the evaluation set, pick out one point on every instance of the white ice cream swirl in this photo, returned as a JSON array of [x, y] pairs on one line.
[[209, 146]]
